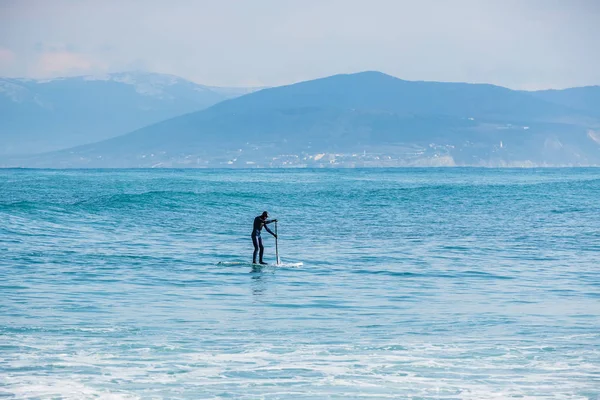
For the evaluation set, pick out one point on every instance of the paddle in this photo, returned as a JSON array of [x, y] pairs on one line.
[[276, 245]]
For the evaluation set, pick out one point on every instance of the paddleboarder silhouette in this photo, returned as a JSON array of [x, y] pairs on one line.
[[260, 222]]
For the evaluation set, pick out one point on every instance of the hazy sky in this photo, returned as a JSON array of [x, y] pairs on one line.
[[523, 44]]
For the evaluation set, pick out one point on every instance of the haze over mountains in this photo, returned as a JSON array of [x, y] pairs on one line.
[[364, 119], [43, 115]]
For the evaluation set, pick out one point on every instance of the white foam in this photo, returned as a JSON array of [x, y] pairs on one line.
[[63, 388], [291, 370]]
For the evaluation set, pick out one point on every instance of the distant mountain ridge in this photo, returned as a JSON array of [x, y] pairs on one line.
[[378, 91], [364, 119], [581, 98], [42, 115]]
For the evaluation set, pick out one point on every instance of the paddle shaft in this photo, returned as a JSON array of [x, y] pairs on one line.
[[276, 244]]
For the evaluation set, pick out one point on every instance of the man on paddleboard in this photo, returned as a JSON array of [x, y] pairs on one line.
[[260, 222]]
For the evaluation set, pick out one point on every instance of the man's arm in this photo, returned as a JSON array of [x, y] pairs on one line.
[[270, 221], [270, 231]]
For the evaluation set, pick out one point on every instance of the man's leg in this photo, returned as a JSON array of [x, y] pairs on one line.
[[262, 250], [255, 243]]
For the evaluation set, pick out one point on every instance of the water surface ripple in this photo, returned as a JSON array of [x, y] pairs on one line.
[[415, 283]]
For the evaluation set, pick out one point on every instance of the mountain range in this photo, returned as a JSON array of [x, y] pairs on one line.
[[363, 119], [43, 115]]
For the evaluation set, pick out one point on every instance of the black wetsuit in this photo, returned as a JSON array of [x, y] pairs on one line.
[[256, 239]]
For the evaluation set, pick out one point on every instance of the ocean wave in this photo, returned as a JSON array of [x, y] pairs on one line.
[[139, 199], [452, 275], [120, 200]]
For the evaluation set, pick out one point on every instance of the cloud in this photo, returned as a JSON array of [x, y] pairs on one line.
[[43, 47], [63, 62], [7, 57], [60, 62], [515, 43]]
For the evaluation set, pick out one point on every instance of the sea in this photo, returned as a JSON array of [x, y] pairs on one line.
[[451, 283]]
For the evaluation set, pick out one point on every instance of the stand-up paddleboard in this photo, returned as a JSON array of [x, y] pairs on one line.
[[249, 264]]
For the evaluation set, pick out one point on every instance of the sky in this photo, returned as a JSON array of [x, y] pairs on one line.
[[521, 44]]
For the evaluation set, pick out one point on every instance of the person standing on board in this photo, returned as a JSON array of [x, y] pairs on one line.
[[260, 222]]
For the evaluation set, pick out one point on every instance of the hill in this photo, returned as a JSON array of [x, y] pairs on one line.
[[44, 115], [586, 98], [364, 119]]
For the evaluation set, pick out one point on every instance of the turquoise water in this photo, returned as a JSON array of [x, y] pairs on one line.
[[414, 283]]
